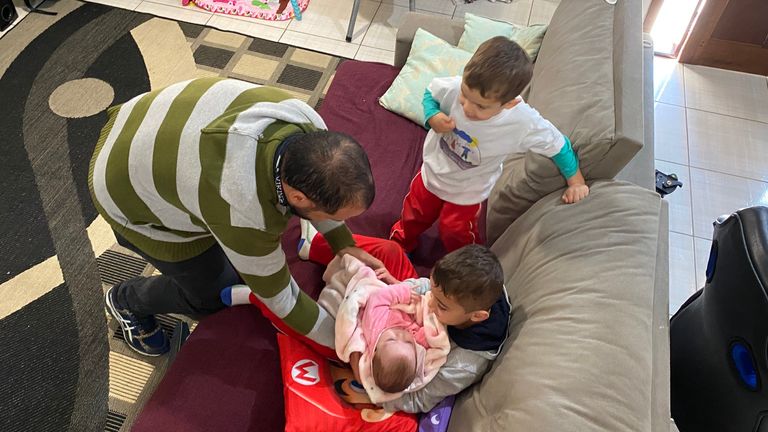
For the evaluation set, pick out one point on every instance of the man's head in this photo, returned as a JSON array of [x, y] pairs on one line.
[[465, 284], [326, 175], [496, 74], [394, 360]]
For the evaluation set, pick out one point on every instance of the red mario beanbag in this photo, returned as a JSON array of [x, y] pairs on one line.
[[320, 397]]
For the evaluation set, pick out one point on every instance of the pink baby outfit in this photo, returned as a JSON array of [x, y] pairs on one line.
[[365, 310]]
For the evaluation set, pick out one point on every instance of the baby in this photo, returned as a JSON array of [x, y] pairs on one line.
[[386, 332], [392, 334]]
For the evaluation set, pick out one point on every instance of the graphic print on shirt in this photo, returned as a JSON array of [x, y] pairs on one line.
[[461, 148]]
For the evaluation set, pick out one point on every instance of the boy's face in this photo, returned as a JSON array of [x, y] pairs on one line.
[[449, 312], [478, 108]]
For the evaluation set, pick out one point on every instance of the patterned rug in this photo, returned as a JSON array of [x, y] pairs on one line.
[[64, 365]]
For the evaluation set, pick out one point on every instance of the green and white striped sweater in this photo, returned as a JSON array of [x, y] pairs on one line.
[[178, 169]]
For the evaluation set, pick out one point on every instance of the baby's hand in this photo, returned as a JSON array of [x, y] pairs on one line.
[[441, 123], [575, 193]]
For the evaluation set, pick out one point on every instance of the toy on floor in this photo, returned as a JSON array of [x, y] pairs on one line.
[[263, 9]]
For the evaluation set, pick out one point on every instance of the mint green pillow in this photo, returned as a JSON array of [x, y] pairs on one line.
[[478, 30], [430, 57]]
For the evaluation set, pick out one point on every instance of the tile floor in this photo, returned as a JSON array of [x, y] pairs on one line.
[[324, 25], [711, 124], [712, 131]]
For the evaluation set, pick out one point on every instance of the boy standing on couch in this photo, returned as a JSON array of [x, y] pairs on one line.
[[476, 121]]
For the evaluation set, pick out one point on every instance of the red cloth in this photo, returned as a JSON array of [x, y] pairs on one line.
[[387, 251], [421, 208]]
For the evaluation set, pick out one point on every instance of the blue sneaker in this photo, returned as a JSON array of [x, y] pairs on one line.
[[141, 333]]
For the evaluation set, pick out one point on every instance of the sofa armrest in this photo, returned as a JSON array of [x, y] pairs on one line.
[[660, 387], [640, 170], [442, 27]]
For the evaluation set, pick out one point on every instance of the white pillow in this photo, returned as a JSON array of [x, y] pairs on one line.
[[430, 57]]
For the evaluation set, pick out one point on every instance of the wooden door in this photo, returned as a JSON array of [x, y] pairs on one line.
[[730, 34]]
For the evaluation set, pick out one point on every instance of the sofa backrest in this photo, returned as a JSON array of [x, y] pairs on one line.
[[445, 28], [588, 82]]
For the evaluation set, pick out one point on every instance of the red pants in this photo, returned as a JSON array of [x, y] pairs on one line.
[[421, 208], [387, 251]]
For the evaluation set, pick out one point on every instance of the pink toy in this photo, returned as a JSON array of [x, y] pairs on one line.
[[274, 10]]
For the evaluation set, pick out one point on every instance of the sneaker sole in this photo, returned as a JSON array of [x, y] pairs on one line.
[[126, 337], [304, 242]]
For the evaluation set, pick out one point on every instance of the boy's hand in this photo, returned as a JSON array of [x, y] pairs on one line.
[[441, 123], [577, 188], [575, 193]]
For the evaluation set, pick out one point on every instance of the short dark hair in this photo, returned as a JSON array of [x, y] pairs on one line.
[[394, 376], [500, 69], [330, 168], [472, 276]]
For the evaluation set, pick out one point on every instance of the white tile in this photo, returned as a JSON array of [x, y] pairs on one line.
[[516, 12], [680, 209], [726, 92], [542, 11], [122, 4], [178, 13], [269, 23], [668, 81], [670, 133], [330, 19], [714, 194], [445, 7], [375, 55], [21, 11], [383, 29], [728, 144], [682, 270], [701, 250], [329, 46], [253, 29]]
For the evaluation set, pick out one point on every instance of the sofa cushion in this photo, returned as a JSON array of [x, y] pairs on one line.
[[430, 57], [580, 280], [579, 84], [478, 30]]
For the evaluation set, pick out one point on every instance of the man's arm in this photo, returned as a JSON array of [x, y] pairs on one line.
[[259, 259], [462, 369]]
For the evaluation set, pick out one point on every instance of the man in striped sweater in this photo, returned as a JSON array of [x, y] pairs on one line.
[[201, 178]]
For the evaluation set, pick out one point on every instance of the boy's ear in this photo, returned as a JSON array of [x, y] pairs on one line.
[[479, 316], [511, 103]]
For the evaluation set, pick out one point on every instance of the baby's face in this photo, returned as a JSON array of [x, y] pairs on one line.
[[396, 343]]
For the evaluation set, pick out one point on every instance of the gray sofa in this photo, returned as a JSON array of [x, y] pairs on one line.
[[588, 347]]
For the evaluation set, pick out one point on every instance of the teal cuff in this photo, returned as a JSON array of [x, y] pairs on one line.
[[566, 160], [431, 107]]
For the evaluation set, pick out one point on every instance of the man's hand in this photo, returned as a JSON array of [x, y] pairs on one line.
[[577, 189], [370, 261], [385, 276], [441, 123]]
